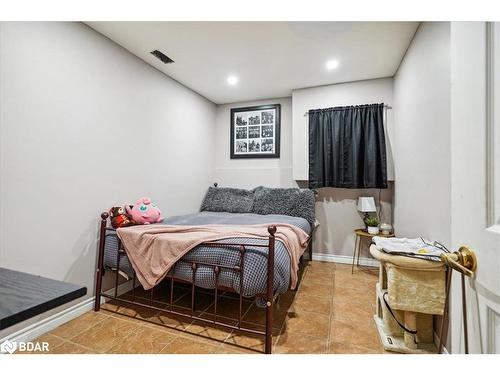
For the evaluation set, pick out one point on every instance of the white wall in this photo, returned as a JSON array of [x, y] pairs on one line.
[[249, 173], [422, 136], [351, 93], [336, 208], [422, 153], [84, 124]]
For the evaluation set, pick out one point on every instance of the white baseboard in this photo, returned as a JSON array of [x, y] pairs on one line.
[[122, 288], [48, 324], [345, 259]]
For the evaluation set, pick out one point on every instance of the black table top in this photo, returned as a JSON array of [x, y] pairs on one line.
[[23, 296]]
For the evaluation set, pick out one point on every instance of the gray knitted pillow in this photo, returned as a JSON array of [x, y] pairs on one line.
[[292, 202], [221, 199]]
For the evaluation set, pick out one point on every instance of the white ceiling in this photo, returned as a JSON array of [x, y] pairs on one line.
[[269, 58]]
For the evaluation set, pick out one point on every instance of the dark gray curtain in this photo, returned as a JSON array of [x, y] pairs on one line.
[[347, 147]]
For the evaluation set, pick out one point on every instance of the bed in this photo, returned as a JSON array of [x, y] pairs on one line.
[[255, 261], [251, 267]]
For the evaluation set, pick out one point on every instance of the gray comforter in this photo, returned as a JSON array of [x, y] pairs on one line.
[[255, 262]]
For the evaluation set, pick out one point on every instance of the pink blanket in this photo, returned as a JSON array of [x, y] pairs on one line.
[[154, 249]]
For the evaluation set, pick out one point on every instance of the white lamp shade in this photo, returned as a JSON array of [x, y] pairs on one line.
[[366, 204]]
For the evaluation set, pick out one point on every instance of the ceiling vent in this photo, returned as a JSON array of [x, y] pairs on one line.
[[164, 58]]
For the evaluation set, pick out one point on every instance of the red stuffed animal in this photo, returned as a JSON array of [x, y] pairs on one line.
[[119, 218]]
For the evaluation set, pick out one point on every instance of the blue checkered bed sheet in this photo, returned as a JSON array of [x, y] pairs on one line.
[[255, 262]]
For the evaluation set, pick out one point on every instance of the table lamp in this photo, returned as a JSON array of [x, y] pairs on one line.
[[366, 205]]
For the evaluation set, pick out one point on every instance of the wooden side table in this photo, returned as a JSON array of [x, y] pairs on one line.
[[360, 235]]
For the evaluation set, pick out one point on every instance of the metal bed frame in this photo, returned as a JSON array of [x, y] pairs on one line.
[[268, 296]]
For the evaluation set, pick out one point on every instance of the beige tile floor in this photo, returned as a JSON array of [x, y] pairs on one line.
[[330, 313]]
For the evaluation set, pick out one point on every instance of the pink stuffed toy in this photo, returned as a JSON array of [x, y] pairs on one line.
[[144, 212]]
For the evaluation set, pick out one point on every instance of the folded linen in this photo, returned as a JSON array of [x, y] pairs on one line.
[[412, 247]]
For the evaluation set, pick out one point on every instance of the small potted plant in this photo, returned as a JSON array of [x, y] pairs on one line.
[[372, 224]]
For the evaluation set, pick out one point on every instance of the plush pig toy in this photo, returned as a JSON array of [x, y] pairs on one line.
[[144, 212]]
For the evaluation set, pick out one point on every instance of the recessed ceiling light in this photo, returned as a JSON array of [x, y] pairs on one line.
[[332, 64], [232, 80]]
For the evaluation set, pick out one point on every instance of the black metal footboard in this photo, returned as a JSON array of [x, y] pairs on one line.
[[217, 268]]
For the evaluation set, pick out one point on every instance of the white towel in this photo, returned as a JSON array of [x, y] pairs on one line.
[[414, 247]]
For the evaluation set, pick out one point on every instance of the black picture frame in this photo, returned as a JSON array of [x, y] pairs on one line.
[[255, 132]]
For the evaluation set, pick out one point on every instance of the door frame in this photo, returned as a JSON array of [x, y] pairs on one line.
[[475, 126]]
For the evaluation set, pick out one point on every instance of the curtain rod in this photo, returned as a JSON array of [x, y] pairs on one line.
[[364, 105]]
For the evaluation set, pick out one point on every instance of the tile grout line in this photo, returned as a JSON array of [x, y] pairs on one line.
[[194, 335], [115, 314], [306, 271], [197, 337], [138, 326], [80, 332], [328, 341], [178, 334], [355, 344], [325, 340], [68, 341], [140, 323]]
